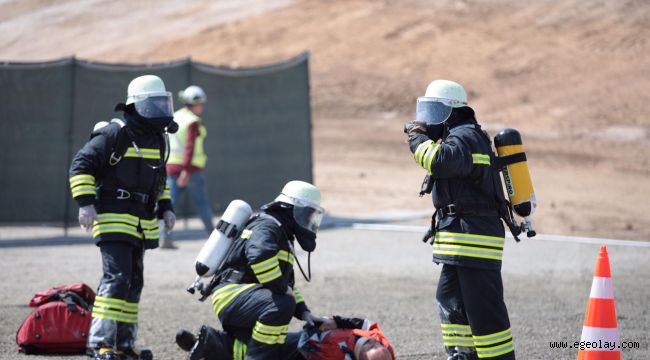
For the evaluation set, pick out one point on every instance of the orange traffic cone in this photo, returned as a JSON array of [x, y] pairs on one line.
[[600, 337]]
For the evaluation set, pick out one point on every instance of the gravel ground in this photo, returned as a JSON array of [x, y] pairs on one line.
[[387, 277]]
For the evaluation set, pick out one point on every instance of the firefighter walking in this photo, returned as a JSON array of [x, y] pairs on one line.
[[118, 179], [255, 297], [466, 232]]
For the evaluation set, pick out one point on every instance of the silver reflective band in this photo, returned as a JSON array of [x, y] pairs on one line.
[[432, 111]]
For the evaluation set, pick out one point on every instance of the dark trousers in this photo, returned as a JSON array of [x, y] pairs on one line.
[[115, 311], [224, 346], [258, 319], [473, 314]]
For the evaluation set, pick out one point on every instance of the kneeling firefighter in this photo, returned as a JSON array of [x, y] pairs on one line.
[[466, 233], [118, 178], [254, 295]]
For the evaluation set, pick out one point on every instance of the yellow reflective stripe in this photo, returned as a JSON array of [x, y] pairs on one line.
[[458, 328], [166, 195], [238, 350], [115, 315], [219, 304], [286, 256], [265, 265], [421, 150], [246, 234], [493, 338], [457, 250], [151, 234], [149, 224], [84, 190], [483, 159], [83, 179], [429, 159], [115, 228], [269, 275], [270, 334], [495, 350], [270, 329], [470, 239], [298, 296], [270, 340], [80, 177], [457, 341], [116, 217], [143, 153]]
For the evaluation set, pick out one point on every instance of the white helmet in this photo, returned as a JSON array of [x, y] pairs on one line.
[[439, 100], [305, 199], [150, 97], [192, 95]]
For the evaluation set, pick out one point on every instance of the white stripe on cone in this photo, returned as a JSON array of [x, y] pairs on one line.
[[606, 338], [601, 288]]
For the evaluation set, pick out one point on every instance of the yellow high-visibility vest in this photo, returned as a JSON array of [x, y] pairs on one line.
[[184, 118]]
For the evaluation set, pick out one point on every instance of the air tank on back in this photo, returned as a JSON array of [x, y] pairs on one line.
[[519, 184], [216, 247]]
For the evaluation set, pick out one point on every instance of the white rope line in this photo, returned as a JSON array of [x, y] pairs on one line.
[[539, 237]]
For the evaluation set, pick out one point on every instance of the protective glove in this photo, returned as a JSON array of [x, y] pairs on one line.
[[314, 320], [170, 219], [415, 127], [87, 215]]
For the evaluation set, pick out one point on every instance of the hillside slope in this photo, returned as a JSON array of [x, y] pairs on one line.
[[571, 75]]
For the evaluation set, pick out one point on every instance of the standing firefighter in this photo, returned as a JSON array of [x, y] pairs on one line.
[[254, 296], [466, 231], [118, 179]]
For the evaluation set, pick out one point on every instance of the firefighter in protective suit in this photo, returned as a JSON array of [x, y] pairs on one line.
[[467, 233], [118, 179], [256, 298]]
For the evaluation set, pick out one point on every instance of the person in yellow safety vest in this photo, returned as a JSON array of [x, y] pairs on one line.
[[187, 157]]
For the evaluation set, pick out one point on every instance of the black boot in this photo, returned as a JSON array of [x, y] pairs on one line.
[[136, 354], [185, 339], [205, 347], [105, 354]]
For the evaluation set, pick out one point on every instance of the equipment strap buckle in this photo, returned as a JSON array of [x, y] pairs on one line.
[[448, 210], [113, 160], [123, 194]]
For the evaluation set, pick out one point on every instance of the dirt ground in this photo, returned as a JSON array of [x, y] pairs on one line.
[[570, 75], [384, 276]]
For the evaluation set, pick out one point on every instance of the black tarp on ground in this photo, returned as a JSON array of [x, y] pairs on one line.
[[258, 123]]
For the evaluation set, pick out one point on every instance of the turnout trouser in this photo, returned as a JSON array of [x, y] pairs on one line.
[[115, 310], [255, 317], [473, 314], [224, 346]]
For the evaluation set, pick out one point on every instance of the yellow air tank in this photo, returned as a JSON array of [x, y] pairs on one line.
[[516, 176]]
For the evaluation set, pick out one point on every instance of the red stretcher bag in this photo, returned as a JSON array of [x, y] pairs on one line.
[[61, 322]]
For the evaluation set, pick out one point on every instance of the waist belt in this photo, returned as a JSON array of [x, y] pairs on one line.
[[231, 276], [477, 209], [122, 194]]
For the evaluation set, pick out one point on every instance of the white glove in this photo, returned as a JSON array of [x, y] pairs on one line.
[[170, 219], [290, 292], [311, 319], [87, 215]]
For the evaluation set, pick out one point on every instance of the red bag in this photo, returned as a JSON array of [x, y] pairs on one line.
[[61, 322]]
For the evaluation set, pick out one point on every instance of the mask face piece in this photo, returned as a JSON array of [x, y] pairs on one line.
[[432, 110], [305, 238]]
